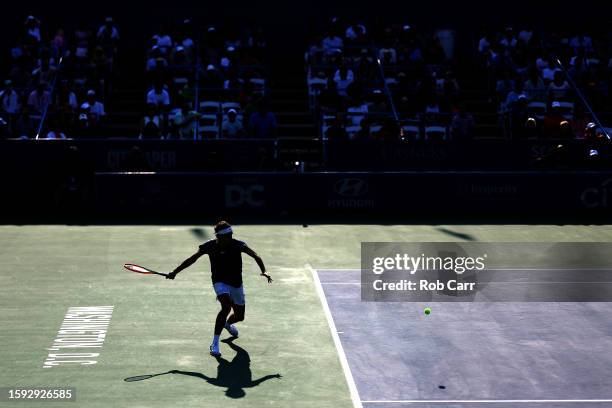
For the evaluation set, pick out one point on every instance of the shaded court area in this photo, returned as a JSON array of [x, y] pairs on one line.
[[466, 355], [155, 351]]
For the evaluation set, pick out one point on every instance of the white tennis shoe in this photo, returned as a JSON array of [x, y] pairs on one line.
[[214, 350], [231, 329]]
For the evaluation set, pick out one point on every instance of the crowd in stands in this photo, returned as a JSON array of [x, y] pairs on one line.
[[201, 83], [206, 84], [533, 78], [386, 82], [368, 82], [361, 80], [64, 75]]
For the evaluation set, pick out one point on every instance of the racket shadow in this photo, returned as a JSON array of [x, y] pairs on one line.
[[144, 376]]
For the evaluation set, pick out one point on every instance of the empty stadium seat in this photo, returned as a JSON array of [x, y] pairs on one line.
[[210, 106], [435, 133]]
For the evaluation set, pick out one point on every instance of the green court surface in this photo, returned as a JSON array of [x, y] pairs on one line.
[[160, 326]]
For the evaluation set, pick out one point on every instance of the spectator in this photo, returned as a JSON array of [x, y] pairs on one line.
[[508, 40], [583, 42], [163, 40], [9, 99], [525, 36], [530, 130], [549, 71], [447, 85], [211, 78], [55, 132], [45, 71], [158, 96], [343, 78], [595, 143], [65, 105], [517, 114], [81, 37], [232, 126], [108, 36], [534, 86], [185, 39], [552, 121], [513, 96], [558, 89], [95, 108], [65, 98], [39, 99], [184, 121], [357, 112], [484, 45], [378, 104], [388, 56], [156, 62], [366, 69], [83, 127], [579, 65], [566, 131], [332, 43], [336, 131], [504, 85], [262, 122], [356, 33], [32, 30]]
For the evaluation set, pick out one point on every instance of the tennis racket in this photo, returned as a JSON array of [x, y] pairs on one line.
[[141, 269]]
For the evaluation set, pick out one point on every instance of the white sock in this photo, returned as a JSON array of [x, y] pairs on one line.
[[215, 339]]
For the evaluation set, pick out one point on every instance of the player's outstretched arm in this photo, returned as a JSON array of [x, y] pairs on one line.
[[259, 261], [185, 264], [255, 383]]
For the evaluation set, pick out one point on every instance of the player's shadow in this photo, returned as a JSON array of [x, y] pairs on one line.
[[233, 375]]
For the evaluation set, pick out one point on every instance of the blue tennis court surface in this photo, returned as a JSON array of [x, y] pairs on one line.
[[468, 355]]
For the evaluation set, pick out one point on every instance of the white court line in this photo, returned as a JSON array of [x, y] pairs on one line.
[[489, 401], [494, 269], [340, 283], [494, 283], [334, 332]]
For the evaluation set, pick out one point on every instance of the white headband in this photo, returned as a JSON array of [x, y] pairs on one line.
[[224, 231]]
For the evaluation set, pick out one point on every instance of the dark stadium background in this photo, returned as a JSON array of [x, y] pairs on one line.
[[289, 27]]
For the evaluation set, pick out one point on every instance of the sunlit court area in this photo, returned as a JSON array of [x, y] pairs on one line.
[[311, 205]]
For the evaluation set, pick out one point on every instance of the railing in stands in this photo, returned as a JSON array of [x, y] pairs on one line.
[[580, 95], [43, 116], [384, 83]]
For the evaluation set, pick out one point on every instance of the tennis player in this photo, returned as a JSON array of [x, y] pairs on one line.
[[225, 255]]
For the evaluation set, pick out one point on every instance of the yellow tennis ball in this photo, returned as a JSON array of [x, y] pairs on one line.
[[427, 310]]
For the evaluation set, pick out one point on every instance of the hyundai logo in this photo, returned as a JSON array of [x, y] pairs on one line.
[[351, 187]]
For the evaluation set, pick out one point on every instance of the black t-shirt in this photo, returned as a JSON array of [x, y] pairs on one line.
[[226, 262]]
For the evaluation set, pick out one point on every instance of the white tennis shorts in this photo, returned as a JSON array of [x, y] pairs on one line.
[[235, 294]]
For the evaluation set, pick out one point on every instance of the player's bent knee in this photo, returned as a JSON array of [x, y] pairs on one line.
[[239, 313]]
